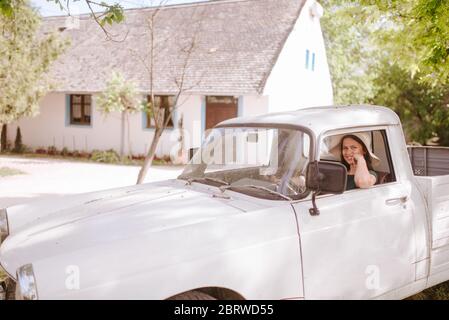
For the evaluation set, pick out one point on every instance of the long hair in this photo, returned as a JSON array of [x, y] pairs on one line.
[[367, 155]]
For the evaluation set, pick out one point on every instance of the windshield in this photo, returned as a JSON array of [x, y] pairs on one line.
[[267, 163]]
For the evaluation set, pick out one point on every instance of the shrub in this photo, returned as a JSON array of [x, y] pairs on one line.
[[41, 151], [138, 157], [161, 161], [52, 150], [85, 155], [65, 152], [108, 156]]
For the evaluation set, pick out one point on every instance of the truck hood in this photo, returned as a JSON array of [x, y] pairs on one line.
[[122, 217]]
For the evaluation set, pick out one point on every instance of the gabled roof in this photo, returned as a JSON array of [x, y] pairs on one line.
[[237, 45]]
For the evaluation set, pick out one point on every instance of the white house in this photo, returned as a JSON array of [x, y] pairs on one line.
[[248, 57]]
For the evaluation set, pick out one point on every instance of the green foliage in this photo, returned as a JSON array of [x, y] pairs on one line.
[[438, 292], [52, 151], [6, 8], [119, 96], [418, 33], [113, 14], [423, 109], [373, 59], [108, 156], [351, 49], [25, 58]]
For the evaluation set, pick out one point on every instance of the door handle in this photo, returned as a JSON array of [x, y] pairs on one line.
[[396, 201]]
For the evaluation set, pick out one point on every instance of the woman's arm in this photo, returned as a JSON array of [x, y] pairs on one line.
[[363, 178]]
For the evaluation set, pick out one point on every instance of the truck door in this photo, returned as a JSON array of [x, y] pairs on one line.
[[362, 244]]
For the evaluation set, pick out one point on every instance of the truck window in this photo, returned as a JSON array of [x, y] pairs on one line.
[[376, 142]]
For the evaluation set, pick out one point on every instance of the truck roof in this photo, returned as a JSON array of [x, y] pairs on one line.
[[321, 119]]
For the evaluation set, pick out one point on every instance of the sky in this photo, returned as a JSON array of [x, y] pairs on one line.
[[49, 8]]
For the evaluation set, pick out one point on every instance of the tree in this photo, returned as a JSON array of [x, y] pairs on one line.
[[371, 62], [418, 33], [423, 108], [25, 58], [113, 13], [187, 44], [352, 51], [120, 96]]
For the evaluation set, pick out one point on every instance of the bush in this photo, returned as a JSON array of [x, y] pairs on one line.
[[85, 155], [65, 152], [52, 150], [161, 161], [138, 157], [108, 156], [41, 151]]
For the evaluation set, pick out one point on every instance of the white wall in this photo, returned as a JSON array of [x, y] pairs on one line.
[[49, 128], [253, 105], [290, 85]]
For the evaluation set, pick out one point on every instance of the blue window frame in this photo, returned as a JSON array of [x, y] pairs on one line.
[[307, 58], [313, 61]]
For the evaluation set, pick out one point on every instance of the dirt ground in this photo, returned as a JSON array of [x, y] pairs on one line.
[[42, 177]]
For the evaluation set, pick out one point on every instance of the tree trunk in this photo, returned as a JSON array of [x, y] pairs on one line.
[[150, 156], [4, 137], [122, 137], [130, 151]]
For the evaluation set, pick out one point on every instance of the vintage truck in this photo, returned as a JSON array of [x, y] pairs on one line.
[[260, 212]]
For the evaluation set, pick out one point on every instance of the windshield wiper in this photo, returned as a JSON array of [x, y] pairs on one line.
[[190, 180], [223, 188]]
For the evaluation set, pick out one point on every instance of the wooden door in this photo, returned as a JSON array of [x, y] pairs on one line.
[[219, 109]]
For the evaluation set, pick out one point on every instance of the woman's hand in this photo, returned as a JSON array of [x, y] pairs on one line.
[[363, 178], [359, 159]]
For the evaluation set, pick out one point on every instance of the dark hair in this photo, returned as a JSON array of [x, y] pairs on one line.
[[367, 155]]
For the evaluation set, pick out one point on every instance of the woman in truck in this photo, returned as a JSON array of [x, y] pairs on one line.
[[358, 159]]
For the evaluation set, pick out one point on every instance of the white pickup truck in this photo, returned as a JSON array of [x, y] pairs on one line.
[[260, 212]]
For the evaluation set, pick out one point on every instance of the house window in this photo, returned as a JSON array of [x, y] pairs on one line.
[[307, 58], [313, 61], [310, 60], [164, 102], [80, 109]]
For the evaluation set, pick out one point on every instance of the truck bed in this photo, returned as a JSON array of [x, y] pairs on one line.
[[429, 161], [431, 168]]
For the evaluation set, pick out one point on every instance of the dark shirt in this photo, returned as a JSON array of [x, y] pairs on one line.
[[351, 181]]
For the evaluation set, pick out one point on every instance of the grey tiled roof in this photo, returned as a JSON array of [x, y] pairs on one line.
[[237, 44]]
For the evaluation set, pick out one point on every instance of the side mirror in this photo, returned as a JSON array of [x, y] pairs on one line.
[[326, 177]]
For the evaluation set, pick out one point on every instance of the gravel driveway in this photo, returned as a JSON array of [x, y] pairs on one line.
[[49, 177]]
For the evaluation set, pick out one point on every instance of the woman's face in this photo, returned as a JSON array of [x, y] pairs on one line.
[[351, 148]]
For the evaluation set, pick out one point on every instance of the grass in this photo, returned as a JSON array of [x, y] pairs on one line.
[[5, 172], [438, 292], [3, 275]]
